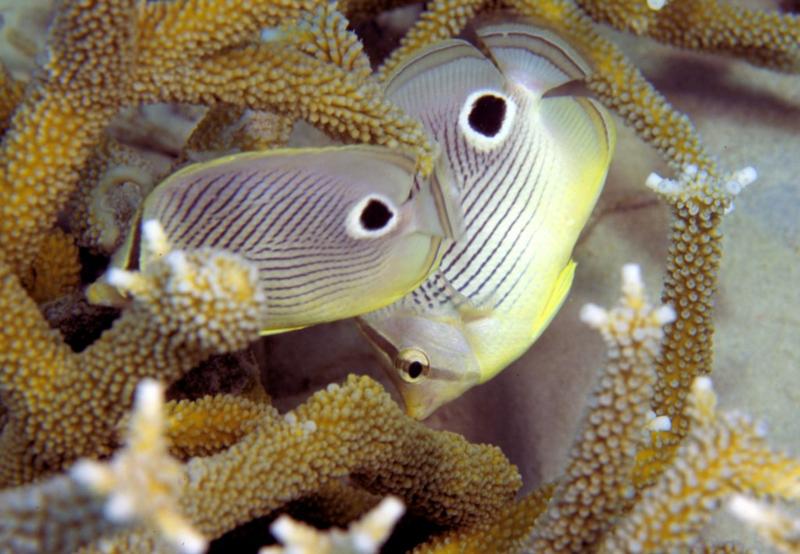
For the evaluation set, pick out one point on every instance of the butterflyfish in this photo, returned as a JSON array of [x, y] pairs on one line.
[[529, 164], [334, 232]]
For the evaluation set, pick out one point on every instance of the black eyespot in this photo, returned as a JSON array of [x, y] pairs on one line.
[[375, 215], [415, 369], [487, 114]]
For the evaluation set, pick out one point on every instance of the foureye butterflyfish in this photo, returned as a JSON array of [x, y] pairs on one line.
[[529, 164], [334, 232]]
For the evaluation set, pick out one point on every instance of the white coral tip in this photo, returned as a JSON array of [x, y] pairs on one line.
[[120, 508], [92, 475], [665, 314], [594, 316], [747, 175], [740, 180], [176, 260], [659, 423], [632, 283], [386, 513], [154, 236], [149, 399], [191, 543], [747, 509], [121, 279], [283, 529], [703, 384], [654, 181]]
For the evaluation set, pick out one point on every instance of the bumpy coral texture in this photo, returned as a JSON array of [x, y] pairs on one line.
[[630, 484]]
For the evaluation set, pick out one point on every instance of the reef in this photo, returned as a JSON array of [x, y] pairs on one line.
[[122, 93]]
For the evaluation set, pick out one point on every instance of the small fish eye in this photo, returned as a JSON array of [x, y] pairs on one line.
[[375, 215], [412, 364], [487, 114], [372, 217], [486, 119]]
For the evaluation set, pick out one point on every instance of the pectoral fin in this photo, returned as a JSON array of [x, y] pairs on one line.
[[557, 297]]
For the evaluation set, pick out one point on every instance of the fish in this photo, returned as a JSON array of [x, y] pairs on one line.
[[334, 232], [529, 156]]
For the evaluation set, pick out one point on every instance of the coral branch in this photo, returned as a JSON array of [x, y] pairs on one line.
[[353, 429], [597, 480], [698, 202], [507, 531], [364, 536], [724, 452], [212, 423], [186, 307], [90, 52], [767, 39], [140, 484]]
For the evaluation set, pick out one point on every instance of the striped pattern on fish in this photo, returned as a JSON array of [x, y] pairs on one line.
[[334, 232], [529, 163]]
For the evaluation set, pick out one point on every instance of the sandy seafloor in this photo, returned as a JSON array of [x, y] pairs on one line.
[[747, 116]]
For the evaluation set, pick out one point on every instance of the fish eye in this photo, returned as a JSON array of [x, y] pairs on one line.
[[412, 364], [486, 119], [372, 217]]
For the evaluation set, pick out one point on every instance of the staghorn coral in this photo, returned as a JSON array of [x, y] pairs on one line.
[[140, 484], [597, 478], [56, 269], [211, 42], [766, 39], [723, 453], [354, 429], [186, 308], [364, 536]]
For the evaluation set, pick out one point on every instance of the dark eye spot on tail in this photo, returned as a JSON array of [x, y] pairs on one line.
[[487, 114], [375, 215]]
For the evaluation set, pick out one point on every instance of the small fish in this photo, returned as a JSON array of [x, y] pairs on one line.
[[335, 232], [529, 167]]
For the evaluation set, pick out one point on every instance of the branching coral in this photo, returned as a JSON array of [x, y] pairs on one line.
[[354, 429], [261, 66], [185, 308], [140, 484], [364, 536], [598, 477]]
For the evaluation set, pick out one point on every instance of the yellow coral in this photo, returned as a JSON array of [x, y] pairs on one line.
[[56, 269], [352, 429], [597, 480], [364, 536], [210, 424], [722, 454], [139, 484], [763, 38], [185, 308], [506, 531]]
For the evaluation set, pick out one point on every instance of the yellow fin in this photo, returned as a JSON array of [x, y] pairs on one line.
[[557, 297]]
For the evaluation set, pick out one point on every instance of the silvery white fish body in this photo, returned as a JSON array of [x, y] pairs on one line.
[[529, 170], [334, 232]]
